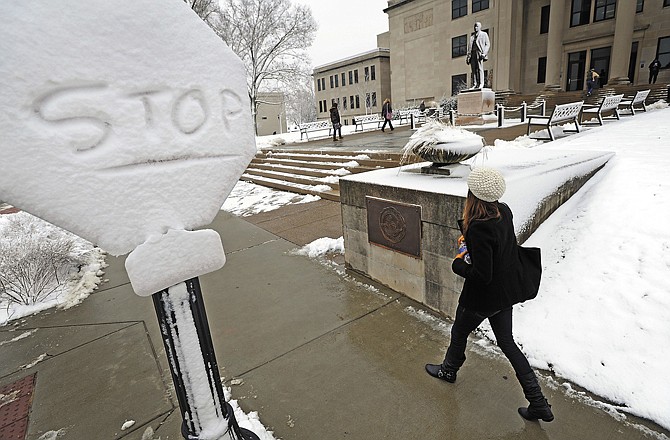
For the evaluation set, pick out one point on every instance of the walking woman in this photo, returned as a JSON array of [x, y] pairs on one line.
[[335, 119], [387, 113], [493, 278]]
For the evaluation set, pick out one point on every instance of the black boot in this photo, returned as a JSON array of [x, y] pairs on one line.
[[442, 372], [539, 408]]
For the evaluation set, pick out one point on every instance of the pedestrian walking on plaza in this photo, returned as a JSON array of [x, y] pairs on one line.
[[387, 114], [335, 119], [591, 80], [654, 67], [494, 279]]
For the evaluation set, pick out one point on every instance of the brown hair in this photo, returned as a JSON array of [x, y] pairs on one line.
[[477, 209]]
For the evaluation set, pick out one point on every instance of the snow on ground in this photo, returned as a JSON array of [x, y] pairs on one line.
[[247, 199], [600, 320]]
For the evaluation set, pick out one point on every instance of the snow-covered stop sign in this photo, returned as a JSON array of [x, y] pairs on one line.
[[125, 122]]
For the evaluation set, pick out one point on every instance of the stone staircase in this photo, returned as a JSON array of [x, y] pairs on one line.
[[658, 92], [313, 172]]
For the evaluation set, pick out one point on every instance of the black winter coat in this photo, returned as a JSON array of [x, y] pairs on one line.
[[334, 115], [493, 280]]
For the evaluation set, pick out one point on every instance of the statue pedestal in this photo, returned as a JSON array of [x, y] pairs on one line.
[[475, 106]]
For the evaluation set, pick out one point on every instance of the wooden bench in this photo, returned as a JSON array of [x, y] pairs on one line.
[[639, 98], [609, 104], [309, 127], [563, 113], [367, 119]]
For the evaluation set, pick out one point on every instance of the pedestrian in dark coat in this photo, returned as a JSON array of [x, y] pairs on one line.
[[654, 67], [335, 119], [387, 114], [493, 280]]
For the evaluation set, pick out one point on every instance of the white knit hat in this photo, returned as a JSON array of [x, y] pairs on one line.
[[486, 184]]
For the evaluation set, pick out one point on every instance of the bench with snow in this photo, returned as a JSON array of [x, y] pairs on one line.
[[562, 114], [367, 119], [609, 104], [638, 99], [308, 127], [405, 115]]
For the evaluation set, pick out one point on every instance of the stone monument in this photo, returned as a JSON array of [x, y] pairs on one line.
[[476, 102]]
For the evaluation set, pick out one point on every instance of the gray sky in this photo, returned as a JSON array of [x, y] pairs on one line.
[[346, 27]]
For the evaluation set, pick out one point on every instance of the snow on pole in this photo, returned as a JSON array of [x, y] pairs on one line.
[[128, 123]]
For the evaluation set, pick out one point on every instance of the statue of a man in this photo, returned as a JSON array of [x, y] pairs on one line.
[[478, 51]]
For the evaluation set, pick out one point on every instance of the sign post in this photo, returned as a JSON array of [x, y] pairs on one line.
[[128, 123]]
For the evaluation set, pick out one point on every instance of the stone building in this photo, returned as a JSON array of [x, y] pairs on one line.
[[358, 84], [535, 44], [271, 116]]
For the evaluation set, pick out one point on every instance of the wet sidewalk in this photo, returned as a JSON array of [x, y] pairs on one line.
[[318, 352]]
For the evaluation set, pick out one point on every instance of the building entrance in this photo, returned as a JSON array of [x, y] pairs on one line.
[[576, 70]]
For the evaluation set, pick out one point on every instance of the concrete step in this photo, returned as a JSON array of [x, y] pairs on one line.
[[294, 178], [281, 185], [306, 172]]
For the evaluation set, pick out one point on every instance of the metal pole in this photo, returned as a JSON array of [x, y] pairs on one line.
[[544, 107], [188, 344], [411, 121], [524, 109], [452, 117], [501, 115]]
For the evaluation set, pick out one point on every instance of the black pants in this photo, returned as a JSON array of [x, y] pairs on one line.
[[652, 77], [337, 128], [501, 323], [384, 124]]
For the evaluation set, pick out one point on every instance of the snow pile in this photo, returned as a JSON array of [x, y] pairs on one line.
[[29, 248], [322, 246]]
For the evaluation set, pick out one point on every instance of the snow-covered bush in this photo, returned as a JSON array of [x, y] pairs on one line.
[[37, 259]]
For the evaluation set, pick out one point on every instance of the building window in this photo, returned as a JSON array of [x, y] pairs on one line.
[[367, 100], [318, 84], [323, 83], [541, 70], [639, 7], [479, 5], [356, 76], [373, 76], [581, 11], [343, 78], [331, 82], [459, 46], [459, 8], [351, 77], [325, 106], [337, 80], [366, 75], [320, 107], [458, 83], [666, 3], [351, 102], [663, 52], [605, 10], [544, 20], [358, 102], [344, 103], [374, 99]]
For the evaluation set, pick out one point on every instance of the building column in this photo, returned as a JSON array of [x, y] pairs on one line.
[[623, 40], [555, 44]]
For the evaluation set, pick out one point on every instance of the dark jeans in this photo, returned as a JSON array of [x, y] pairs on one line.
[[652, 77], [337, 129], [501, 323], [389, 122]]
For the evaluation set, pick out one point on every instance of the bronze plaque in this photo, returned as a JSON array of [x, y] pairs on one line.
[[394, 225]]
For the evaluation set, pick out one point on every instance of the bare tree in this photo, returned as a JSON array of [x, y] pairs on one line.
[[300, 103], [270, 36], [208, 10]]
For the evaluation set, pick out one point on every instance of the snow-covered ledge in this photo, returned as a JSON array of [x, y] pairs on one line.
[[538, 182]]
